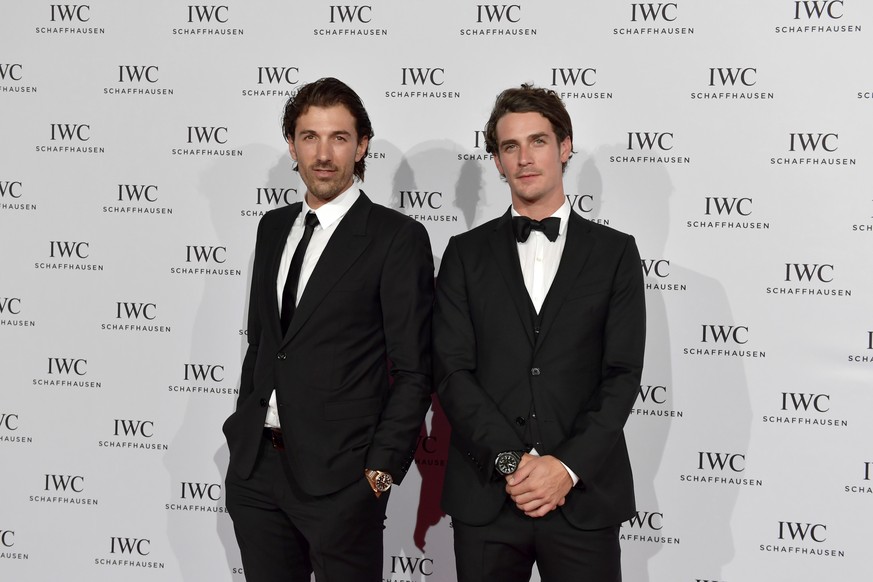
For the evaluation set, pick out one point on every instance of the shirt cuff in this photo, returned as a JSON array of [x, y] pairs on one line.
[[573, 475]]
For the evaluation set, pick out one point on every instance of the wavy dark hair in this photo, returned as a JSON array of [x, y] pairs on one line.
[[530, 99], [328, 92]]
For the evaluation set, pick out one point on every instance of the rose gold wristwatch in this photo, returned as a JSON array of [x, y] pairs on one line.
[[380, 481]]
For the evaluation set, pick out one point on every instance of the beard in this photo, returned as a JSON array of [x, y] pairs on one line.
[[326, 187]]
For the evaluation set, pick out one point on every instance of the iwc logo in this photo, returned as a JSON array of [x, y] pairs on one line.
[[69, 19], [70, 138], [207, 140], [267, 198], [802, 539], [207, 260], [647, 527], [422, 83], [407, 567], [654, 401], [8, 549], [864, 484], [62, 489], [818, 17], [63, 372], [804, 409], [424, 206], [273, 81], [12, 79], [11, 315], [653, 19], [207, 20], [658, 276], [724, 341], [128, 433], [196, 497], [864, 357], [571, 83], [732, 83], [808, 280], [139, 199], [813, 149], [650, 147], [137, 317], [728, 213], [357, 20], [719, 468], [67, 255], [10, 425], [490, 20], [12, 193], [129, 552], [204, 379]]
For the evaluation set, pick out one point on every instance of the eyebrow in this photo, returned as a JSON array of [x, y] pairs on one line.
[[531, 137], [314, 132]]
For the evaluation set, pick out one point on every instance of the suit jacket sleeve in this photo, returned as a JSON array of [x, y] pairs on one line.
[[406, 295], [477, 423], [598, 429], [253, 331]]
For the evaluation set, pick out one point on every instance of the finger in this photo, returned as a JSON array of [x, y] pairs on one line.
[[519, 488], [522, 472]]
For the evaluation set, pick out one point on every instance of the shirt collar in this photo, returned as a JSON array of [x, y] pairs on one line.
[[330, 212], [563, 213]]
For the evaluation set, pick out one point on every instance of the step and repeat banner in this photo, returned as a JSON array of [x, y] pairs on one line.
[[140, 145]]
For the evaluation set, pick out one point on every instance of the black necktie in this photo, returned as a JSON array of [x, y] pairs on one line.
[[289, 293], [522, 225]]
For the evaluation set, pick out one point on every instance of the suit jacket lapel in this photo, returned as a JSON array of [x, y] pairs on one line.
[[343, 249], [505, 251], [279, 237], [577, 249]]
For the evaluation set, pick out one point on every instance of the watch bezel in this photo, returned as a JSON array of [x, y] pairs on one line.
[[383, 481], [504, 458]]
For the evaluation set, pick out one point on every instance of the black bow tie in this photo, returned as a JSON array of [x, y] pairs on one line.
[[522, 225]]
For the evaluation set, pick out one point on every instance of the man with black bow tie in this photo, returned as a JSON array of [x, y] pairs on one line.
[[539, 333]]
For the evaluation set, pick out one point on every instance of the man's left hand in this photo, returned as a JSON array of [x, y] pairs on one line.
[[539, 485]]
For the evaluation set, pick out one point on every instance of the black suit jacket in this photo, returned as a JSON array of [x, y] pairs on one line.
[[368, 301], [580, 370]]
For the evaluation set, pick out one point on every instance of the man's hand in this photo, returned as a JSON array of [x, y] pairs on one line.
[[539, 485]]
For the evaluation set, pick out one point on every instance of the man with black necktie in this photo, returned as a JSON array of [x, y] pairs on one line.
[[337, 376], [539, 333]]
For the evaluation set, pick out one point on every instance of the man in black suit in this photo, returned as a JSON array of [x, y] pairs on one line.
[[539, 333], [337, 376]]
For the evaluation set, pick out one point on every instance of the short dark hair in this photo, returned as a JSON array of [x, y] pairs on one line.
[[530, 99], [328, 92]]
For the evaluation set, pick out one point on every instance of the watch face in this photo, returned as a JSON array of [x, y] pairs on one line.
[[507, 463], [383, 481]]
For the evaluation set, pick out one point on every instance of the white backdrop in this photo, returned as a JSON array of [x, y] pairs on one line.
[[140, 144]]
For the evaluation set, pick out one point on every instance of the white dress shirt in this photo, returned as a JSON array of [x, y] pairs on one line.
[[329, 216], [539, 258]]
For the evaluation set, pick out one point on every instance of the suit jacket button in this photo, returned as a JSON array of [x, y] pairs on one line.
[[519, 421], [263, 402], [281, 356], [534, 371]]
